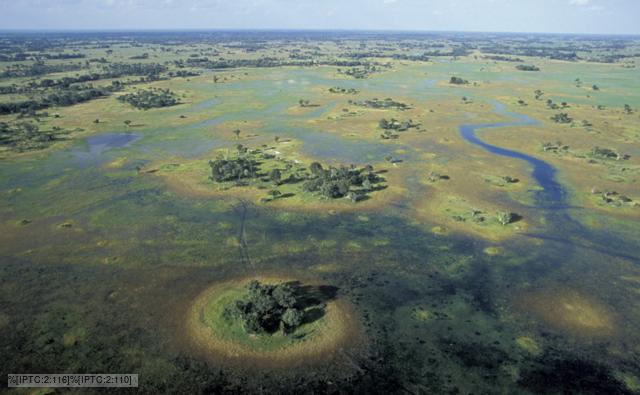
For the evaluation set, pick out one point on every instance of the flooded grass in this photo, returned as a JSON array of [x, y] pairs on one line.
[[101, 260]]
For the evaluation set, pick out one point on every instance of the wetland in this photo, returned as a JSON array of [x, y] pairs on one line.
[[419, 216]]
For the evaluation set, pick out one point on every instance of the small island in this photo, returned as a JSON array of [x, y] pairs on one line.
[[255, 167], [267, 309], [270, 321]]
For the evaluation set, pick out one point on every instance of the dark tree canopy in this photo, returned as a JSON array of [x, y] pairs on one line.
[[268, 308]]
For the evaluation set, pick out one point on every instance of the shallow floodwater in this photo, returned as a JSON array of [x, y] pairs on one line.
[[100, 264]]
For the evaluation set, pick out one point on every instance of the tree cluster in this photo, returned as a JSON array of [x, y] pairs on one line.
[[527, 67], [562, 117], [150, 98], [267, 309], [26, 136], [62, 98], [233, 169], [458, 81], [341, 182], [607, 153], [337, 89], [360, 72], [382, 104]]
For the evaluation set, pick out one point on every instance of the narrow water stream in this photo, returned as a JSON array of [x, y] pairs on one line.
[[552, 199], [553, 194]]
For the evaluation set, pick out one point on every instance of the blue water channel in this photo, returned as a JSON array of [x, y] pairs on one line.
[[552, 195]]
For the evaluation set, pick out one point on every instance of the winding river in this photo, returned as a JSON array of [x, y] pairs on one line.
[[564, 228], [553, 194]]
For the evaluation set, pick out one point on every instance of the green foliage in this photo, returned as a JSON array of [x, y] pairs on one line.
[[562, 117], [276, 176], [458, 81], [505, 218], [607, 153], [335, 182], [382, 104], [61, 98], [151, 98], [349, 91], [361, 72], [267, 308], [394, 125], [27, 136], [233, 169], [527, 67]]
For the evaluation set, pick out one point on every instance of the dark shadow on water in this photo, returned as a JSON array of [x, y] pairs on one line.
[[312, 299]]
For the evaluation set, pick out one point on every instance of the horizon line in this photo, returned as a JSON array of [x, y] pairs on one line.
[[293, 30]]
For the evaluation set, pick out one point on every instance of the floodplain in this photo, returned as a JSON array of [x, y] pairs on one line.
[[479, 221]]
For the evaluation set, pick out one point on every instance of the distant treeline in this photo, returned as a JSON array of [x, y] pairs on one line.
[[207, 63], [500, 58], [37, 69], [61, 99], [24, 56]]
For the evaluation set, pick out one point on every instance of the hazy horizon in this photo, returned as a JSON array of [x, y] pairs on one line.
[[599, 17]]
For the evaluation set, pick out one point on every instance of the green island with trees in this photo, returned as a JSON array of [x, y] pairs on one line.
[[286, 178], [145, 99], [271, 319]]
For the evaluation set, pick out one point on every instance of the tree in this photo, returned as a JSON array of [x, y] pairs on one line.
[[627, 109], [291, 319], [366, 185], [458, 81], [316, 169], [127, 123], [274, 193], [505, 218], [237, 133], [284, 295], [276, 176]]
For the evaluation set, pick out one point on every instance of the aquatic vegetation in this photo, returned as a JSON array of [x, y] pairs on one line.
[[572, 312], [529, 344], [570, 376], [492, 251], [109, 241], [27, 136]]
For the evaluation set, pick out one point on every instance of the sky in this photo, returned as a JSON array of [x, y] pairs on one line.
[[544, 16]]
